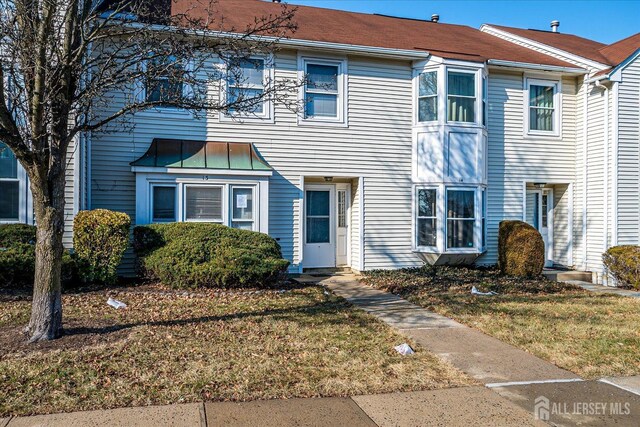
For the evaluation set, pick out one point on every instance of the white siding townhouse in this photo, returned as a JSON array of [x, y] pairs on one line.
[[417, 139]]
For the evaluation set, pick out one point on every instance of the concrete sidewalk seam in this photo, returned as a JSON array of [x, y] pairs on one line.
[[363, 411], [7, 421], [203, 415], [621, 387], [515, 383]]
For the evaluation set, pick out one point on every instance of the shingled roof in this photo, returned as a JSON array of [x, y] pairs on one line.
[[351, 28]]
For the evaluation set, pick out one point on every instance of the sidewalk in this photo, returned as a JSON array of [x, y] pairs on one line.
[[514, 374]]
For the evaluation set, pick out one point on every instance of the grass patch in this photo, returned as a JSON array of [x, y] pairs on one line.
[[590, 334], [174, 346]]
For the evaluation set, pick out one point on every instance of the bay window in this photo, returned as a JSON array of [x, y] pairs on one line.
[[460, 218], [542, 106], [427, 231], [9, 186], [428, 96], [246, 86], [461, 96]]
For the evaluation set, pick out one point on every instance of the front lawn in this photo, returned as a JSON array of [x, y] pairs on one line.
[[172, 346], [590, 334]]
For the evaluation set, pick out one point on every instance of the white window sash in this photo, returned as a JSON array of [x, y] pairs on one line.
[[267, 81], [339, 93], [555, 121], [207, 186]]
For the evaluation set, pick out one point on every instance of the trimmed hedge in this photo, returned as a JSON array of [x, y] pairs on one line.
[[192, 255], [520, 249], [100, 238], [623, 263], [18, 257]]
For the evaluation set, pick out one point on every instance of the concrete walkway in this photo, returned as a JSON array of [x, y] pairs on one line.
[[515, 375], [604, 289]]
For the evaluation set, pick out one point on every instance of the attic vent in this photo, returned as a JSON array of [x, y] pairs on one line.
[[435, 18], [554, 26]]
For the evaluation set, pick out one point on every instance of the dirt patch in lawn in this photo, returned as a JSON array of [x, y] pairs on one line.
[[593, 335], [172, 346]]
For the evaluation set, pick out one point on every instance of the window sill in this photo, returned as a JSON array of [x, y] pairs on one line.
[[543, 135], [244, 118], [322, 123]]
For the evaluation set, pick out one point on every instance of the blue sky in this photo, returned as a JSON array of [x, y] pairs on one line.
[[604, 21]]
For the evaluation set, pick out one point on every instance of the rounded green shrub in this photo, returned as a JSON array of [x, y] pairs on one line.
[[623, 264], [18, 257], [11, 234], [192, 255], [520, 249], [100, 238]]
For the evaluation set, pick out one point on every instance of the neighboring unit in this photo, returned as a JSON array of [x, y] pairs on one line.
[[409, 148]]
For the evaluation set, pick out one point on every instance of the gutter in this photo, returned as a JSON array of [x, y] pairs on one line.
[[540, 67]]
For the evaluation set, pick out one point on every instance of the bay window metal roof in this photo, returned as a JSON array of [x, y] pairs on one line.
[[177, 153]]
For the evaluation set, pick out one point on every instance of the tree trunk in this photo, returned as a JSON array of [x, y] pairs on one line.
[[46, 310]]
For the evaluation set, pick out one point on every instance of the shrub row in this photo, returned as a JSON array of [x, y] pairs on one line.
[[623, 264], [192, 255]]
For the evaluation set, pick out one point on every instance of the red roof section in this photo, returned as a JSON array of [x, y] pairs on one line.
[[568, 42], [351, 28], [621, 50]]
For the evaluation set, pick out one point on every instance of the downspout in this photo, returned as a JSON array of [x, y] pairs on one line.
[[605, 179], [585, 158], [616, 135]]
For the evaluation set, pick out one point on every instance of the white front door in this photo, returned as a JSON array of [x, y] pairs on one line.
[[539, 214], [319, 249], [342, 231]]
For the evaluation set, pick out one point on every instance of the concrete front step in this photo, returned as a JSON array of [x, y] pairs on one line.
[[566, 275]]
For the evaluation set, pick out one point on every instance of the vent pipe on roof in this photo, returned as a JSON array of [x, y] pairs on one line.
[[554, 26], [276, 1], [435, 18]]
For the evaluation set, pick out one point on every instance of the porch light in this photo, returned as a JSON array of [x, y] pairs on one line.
[[539, 184], [328, 179]]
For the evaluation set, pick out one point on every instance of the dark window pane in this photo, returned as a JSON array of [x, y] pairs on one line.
[[541, 96], [204, 204], [246, 100], [164, 204], [460, 204], [9, 200], [428, 109], [461, 109], [8, 163], [541, 119], [426, 202], [318, 230], [460, 233], [427, 232], [318, 203], [246, 72], [461, 84], [323, 77], [428, 83], [166, 80]]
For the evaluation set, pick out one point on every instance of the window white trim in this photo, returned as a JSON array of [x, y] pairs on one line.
[[475, 247], [232, 201], [268, 78], [145, 182], [476, 97], [416, 217], [557, 107], [223, 197], [25, 201], [417, 97], [140, 94], [342, 93], [152, 187]]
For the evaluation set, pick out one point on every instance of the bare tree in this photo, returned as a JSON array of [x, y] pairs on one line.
[[75, 66]]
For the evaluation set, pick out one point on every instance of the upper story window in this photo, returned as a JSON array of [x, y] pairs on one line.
[[324, 91], [461, 96], [246, 85], [428, 96], [9, 185], [543, 107], [167, 82]]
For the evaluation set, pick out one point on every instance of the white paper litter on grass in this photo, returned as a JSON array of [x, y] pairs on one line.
[[404, 349], [475, 291], [116, 304]]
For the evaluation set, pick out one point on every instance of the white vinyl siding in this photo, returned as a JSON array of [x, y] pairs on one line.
[[514, 160], [629, 155]]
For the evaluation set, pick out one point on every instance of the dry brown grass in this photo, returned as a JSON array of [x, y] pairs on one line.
[[170, 347], [590, 334]]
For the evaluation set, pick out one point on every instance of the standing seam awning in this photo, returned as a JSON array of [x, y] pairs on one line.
[[177, 153]]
